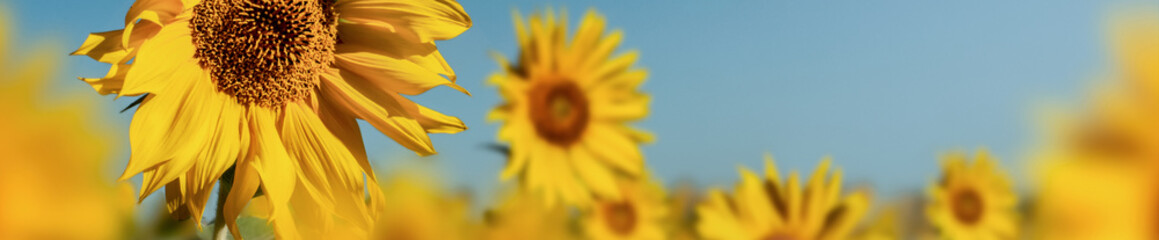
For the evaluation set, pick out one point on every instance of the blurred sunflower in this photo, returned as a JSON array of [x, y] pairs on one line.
[[46, 193], [519, 215], [274, 88], [681, 205], [885, 226], [567, 105], [973, 201], [1099, 174], [640, 213], [773, 209], [417, 209]]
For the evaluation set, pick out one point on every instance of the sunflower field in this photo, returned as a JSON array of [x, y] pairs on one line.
[[508, 120]]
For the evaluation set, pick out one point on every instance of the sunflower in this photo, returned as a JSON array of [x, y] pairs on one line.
[[681, 207], [638, 214], [771, 208], [1099, 174], [567, 105], [973, 201], [418, 209], [273, 89], [46, 193], [520, 215]]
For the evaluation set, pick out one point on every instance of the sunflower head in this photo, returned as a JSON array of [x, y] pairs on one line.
[[973, 200], [567, 102], [773, 208], [1100, 181], [418, 209], [638, 214], [274, 89], [521, 215]]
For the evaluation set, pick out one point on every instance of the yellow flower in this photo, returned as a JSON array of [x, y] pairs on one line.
[[415, 208], [274, 88], [638, 214], [520, 215], [47, 193], [885, 226], [771, 208], [1099, 176], [567, 105], [681, 205], [973, 201]]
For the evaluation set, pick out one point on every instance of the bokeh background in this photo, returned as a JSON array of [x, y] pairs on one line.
[[883, 87]]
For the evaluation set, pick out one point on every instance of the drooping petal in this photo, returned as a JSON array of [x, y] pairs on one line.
[[431, 120], [245, 183], [344, 125], [173, 128], [163, 9], [389, 74], [112, 82], [614, 148], [324, 163], [225, 146], [158, 59], [104, 47], [423, 21], [381, 39], [598, 178], [278, 172], [390, 119]]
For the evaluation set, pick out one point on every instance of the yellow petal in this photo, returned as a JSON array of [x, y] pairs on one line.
[[245, 183], [389, 74], [617, 66], [625, 109], [382, 112], [112, 82], [598, 178], [753, 201], [344, 126], [421, 20], [614, 148], [166, 8], [103, 46], [596, 56], [324, 164], [431, 120], [590, 30], [517, 162], [275, 168], [169, 130], [158, 59], [223, 147], [382, 39], [321, 156]]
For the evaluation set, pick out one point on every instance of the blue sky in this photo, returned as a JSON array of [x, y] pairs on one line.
[[883, 87]]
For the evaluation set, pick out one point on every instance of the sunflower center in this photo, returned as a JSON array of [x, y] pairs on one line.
[[559, 111], [968, 206], [265, 52], [621, 217]]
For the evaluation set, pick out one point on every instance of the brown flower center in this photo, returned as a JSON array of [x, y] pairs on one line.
[[968, 206], [620, 217], [559, 111], [265, 52]]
